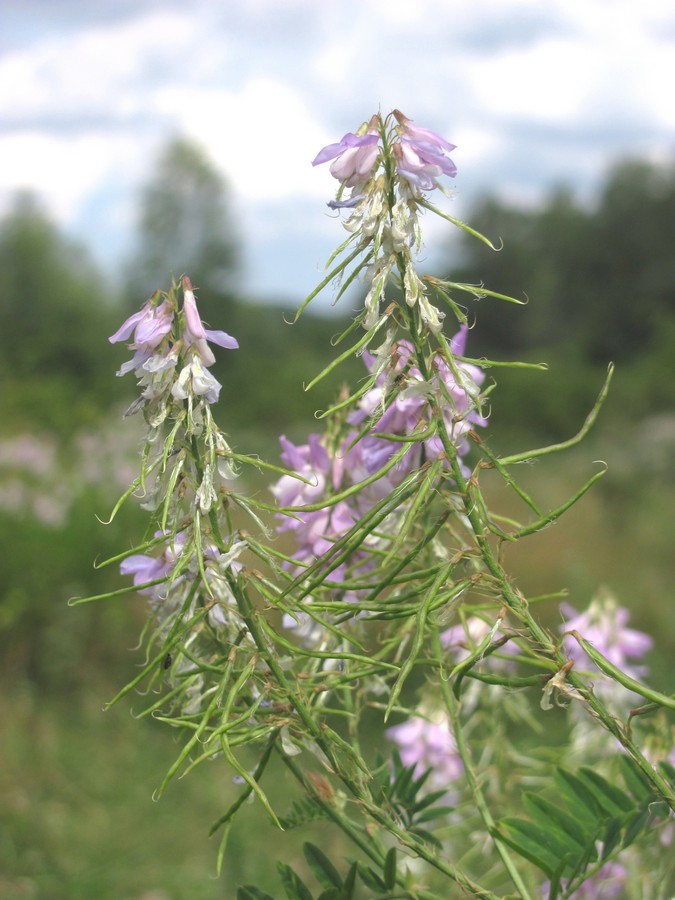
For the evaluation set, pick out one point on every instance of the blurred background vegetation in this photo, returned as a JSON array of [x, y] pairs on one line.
[[76, 784]]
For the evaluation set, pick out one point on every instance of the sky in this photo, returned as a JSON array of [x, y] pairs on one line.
[[534, 93]]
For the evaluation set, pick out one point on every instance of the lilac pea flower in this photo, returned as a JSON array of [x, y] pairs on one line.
[[150, 324], [314, 464], [458, 342], [144, 569], [195, 333], [345, 204], [149, 568], [410, 406], [355, 156], [422, 155]]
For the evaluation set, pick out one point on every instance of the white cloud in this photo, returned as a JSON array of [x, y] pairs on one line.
[[529, 92], [263, 137], [63, 172], [96, 73]]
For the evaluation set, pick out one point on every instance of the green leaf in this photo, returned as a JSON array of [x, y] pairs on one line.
[[302, 811], [546, 813], [635, 779], [250, 892], [534, 843], [425, 836], [370, 878], [638, 823], [611, 799], [435, 812], [418, 783], [428, 800], [611, 836], [581, 801], [554, 888], [323, 869], [381, 779], [667, 769], [349, 885], [401, 783], [294, 886], [390, 869]]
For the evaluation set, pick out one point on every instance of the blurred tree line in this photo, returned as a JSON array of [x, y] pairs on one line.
[[601, 280]]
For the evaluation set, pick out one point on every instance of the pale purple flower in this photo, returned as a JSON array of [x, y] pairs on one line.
[[349, 203], [422, 155], [354, 158], [604, 625], [460, 414], [312, 462], [429, 744], [195, 333], [150, 325], [146, 568], [315, 531], [325, 472], [170, 592], [411, 404], [154, 360]]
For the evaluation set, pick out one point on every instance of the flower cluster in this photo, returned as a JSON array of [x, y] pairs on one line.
[[420, 156], [169, 579], [166, 341], [386, 166], [604, 626], [190, 568], [370, 458], [455, 390]]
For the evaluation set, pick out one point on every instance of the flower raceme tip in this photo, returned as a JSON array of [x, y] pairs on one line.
[[384, 169], [166, 341], [420, 156]]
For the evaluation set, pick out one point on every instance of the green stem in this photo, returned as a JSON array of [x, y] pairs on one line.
[[452, 707], [321, 732]]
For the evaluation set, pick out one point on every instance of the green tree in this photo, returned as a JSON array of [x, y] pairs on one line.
[[633, 265], [602, 279], [55, 314], [185, 225]]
